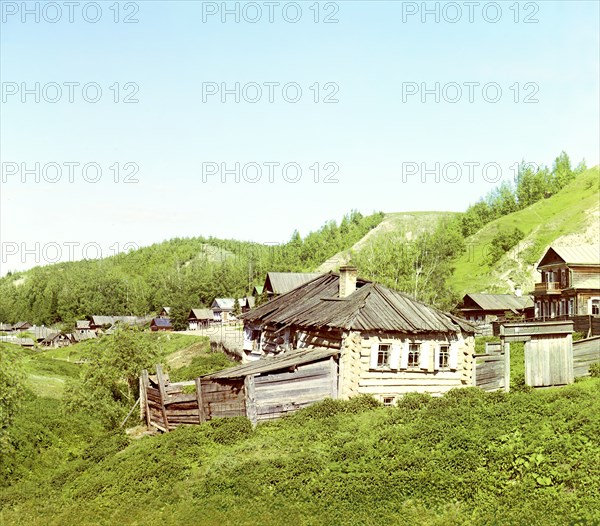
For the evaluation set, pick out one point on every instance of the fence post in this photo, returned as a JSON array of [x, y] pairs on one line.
[[144, 410], [250, 399], [506, 347], [201, 414], [163, 394]]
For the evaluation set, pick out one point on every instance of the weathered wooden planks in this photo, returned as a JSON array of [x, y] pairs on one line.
[[549, 360], [585, 353], [489, 371]]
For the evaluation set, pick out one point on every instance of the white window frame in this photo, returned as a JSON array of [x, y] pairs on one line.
[[439, 357], [385, 350], [393, 356], [416, 363]]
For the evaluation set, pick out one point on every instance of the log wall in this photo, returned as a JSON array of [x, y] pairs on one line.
[[358, 376]]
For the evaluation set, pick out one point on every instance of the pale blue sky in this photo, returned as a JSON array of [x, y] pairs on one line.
[[368, 54]]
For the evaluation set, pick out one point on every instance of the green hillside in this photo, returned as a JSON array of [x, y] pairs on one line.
[[571, 211], [181, 273], [405, 225]]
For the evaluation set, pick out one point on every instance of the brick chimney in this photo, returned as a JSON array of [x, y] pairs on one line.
[[347, 281]]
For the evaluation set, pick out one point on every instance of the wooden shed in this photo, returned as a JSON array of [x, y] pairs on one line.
[[548, 351], [276, 386]]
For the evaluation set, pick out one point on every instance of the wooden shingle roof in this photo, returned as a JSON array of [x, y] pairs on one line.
[[284, 282], [494, 302], [370, 307], [201, 314], [276, 363], [579, 255]]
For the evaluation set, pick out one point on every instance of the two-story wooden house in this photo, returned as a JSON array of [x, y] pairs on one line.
[[570, 282], [387, 343]]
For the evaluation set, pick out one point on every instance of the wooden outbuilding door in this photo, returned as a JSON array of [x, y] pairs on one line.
[[549, 360]]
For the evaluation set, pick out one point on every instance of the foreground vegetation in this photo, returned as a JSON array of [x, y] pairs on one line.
[[466, 458], [527, 457]]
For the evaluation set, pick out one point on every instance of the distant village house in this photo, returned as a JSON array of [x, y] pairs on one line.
[[278, 283], [486, 308], [199, 318], [161, 324]]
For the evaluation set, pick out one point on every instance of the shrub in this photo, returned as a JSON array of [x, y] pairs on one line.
[[360, 404], [12, 389], [230, 430], [595, 370], [502, 242], [414, 401]]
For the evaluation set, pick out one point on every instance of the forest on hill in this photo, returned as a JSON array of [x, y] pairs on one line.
[[182, 273], [426, 267]]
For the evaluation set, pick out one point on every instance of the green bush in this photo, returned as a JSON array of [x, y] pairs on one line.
[[595, 370], [230, 430], [502, 242], [414, 401]]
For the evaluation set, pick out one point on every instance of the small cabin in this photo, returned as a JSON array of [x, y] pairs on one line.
[[199, 318], [482, 308], [161, 324]]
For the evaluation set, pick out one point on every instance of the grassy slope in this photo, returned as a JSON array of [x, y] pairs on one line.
[[48, 371], [467, 458], [409, 225], [542, 223]]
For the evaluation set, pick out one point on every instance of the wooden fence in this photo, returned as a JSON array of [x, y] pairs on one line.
[[585, 353], [262, 394], [165, 406], [491, 372], [589, 325]]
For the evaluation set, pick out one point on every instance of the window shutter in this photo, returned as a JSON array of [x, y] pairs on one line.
[[436, 356], [374, 352], [453, 359], [404, 355], [424, 361], [395, 357]]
